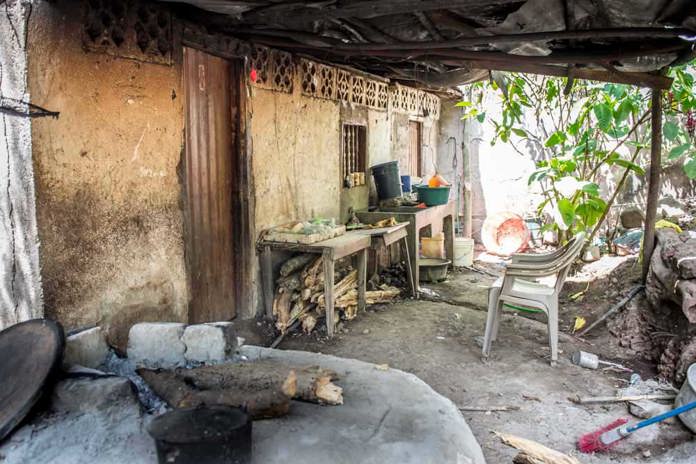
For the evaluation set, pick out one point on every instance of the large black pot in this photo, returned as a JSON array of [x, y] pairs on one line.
[[203, 435]]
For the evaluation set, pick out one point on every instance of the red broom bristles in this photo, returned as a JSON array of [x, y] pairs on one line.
[[590, 442]]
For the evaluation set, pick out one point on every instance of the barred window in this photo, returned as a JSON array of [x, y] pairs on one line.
[[354, 155]]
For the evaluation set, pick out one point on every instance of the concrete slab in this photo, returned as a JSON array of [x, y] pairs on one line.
[[388, 417]]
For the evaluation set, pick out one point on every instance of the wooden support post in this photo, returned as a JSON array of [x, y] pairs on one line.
[[362, 278], [267, 273], [329, 293], [653, 181]]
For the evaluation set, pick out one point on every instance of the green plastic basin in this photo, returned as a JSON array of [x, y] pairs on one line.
[[433, 196]]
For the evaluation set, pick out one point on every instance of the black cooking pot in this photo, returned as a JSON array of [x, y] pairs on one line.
[[203, 435]]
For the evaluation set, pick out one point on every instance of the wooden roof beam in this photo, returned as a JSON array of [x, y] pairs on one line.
[[312, 11], [641, 33], [639, 79]]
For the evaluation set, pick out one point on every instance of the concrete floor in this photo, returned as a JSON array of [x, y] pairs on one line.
[[438, 342]]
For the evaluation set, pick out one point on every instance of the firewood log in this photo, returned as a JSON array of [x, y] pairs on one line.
[[291, 282], [314, 386], [371, 297], [281, 309], [308, 323], [296, 263], [347, 283], [263, 389]]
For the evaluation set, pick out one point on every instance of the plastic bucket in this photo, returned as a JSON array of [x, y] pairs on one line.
[[433, 196], [463, 251], [202, 435], [686, 395], [387, 181], [406, 184]]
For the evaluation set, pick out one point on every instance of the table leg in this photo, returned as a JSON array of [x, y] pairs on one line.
[[362, 278], [412, 243], [267, 273], [329, 294], [448, 229], [409, 271]]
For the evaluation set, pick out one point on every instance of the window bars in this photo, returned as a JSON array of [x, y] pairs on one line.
[[354, 155]]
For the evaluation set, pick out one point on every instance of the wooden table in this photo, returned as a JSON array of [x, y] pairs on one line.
[[385, 236], [439, 218], [331, 250]]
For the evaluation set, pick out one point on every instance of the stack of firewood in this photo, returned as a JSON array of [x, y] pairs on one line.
[[299, 294]]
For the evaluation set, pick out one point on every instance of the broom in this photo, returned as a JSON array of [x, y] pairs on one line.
[[608, 436]]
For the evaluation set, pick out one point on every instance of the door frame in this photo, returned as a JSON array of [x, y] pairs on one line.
[[243, 243]]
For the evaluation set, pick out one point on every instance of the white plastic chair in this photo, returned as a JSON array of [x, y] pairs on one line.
[[532, 281]]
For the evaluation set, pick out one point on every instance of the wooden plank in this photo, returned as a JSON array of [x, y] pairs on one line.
[[653, 181]]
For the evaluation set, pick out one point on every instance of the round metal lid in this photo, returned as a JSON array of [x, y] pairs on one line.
[[29, 353]]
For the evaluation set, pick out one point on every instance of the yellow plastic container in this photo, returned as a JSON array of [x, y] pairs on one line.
[[433, 247]]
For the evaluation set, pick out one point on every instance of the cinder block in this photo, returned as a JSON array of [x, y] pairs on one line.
[[87, 348], [209, 342], [156, 344]]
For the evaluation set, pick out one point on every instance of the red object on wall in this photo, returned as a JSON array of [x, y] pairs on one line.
[[253, 75]]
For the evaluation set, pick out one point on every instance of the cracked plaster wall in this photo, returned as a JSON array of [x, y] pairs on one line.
[[20, 279]]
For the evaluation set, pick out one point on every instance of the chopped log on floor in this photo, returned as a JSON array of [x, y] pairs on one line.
[[533, 452], [314, 386], [264, 388]]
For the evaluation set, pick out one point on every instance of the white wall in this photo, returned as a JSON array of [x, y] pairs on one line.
[[20, 280]]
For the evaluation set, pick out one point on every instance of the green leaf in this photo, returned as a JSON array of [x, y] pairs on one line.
[[519, 132], [464, 104], [567, 211], [670, 130], [623, 111], [690, 168], [481, 117], [556, 138], [603, 114], [630, 165], [591, 189], [677, 151]]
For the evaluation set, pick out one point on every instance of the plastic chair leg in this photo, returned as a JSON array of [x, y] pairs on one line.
[[553, 331], [490, 321]]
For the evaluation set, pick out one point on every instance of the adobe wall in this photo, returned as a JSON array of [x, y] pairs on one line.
[[108, 193]]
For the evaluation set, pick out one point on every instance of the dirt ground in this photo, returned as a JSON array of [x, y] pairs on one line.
[[439, 341]]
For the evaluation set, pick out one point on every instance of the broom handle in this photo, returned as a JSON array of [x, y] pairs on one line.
[[663, 416]]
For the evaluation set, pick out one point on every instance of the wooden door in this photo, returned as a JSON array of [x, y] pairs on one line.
[[211, 151], [415, 157]]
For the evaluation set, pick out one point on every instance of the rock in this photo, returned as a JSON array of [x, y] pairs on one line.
[[209, 342], [156, 344], [632, 218], [671, 209], [87, 348], [646, 409]]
